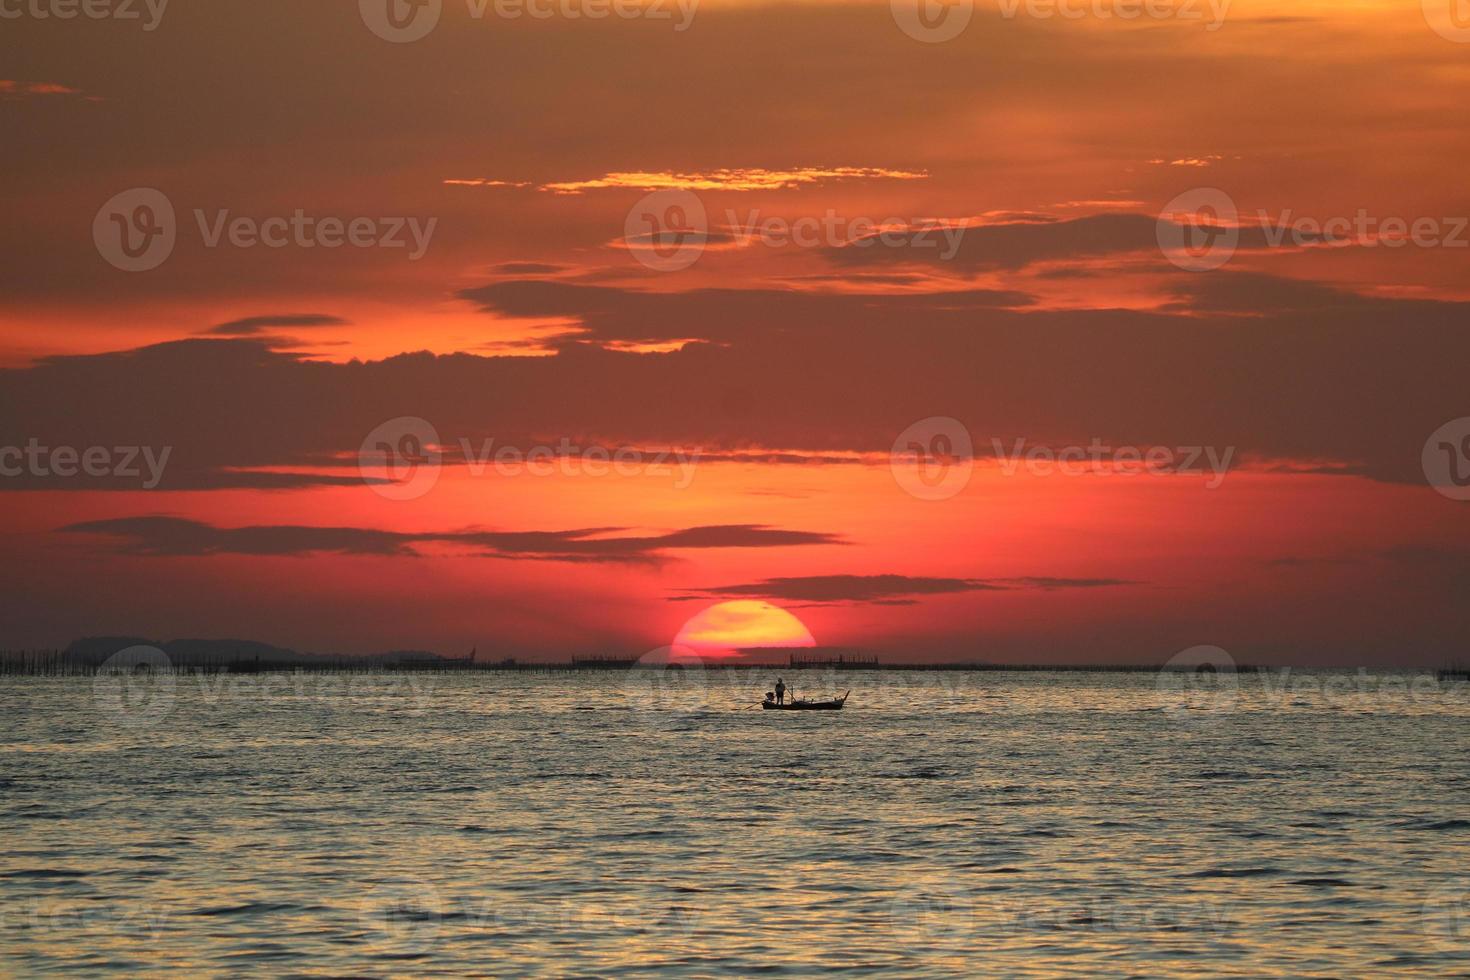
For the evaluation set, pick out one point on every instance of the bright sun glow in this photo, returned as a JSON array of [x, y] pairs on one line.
[[743, 624]]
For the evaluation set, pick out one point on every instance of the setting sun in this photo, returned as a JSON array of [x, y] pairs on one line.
[[743, 624]]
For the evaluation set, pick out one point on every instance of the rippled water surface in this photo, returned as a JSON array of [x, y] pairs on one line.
[[564, 824]]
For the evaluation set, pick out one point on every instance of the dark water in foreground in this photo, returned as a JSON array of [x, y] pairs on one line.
[[943, 825]]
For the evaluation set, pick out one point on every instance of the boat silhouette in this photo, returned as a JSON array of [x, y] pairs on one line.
[[802, 704]]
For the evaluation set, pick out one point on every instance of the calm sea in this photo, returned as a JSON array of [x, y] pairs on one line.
[[558, 824]]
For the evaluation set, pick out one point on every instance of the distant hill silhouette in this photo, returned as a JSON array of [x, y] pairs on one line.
[[94, 650]]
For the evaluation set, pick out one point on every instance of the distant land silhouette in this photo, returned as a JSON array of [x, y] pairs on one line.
[[89, 654], [236, 656]]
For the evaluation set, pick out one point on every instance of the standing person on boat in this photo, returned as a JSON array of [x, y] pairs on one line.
[[780, 691]]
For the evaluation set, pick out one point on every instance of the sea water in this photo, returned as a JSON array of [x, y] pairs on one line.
[[605, 823]]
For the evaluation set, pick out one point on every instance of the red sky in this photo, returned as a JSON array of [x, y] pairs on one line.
[[1018, 172]]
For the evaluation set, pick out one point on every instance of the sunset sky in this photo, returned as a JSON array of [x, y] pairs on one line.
[[918, 260]]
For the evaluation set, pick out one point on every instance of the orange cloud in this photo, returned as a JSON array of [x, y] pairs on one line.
[[1201, 161], [739, 179], [485, 182], [13, 89]]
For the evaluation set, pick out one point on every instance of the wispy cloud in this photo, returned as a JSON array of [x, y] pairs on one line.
[[888, 589], [1207, 160], [1109, 204], [12, 89], [175, 536], [252, 325], [737, 179], [484, 182]]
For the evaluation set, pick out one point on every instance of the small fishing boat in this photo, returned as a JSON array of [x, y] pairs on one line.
[[802, 704]]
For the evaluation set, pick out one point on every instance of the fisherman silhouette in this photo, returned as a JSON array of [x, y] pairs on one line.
[[780, 691]]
